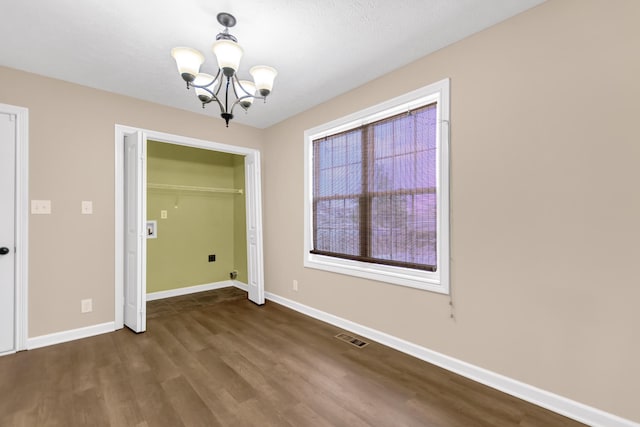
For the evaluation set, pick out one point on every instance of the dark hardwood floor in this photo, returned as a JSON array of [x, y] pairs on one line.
[[216, 359]]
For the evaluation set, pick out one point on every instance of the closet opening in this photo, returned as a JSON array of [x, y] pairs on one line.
[[196, 221], [188, 219]]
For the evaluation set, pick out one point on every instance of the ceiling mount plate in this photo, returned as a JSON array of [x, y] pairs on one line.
[[226, 19]]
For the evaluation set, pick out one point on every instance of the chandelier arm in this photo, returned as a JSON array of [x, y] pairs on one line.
[[233, 87], [239, 98], [218, 74], [206, 86], [248, 95], [238, 102], [213, 91], [219, 104], [213, 98], [237, 83]]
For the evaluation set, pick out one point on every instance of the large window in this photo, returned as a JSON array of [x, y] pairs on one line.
[[377, 192]]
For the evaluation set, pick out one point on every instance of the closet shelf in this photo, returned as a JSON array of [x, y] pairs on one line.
[[192, 188]]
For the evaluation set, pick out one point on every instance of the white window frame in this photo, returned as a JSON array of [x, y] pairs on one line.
[[437, 281]]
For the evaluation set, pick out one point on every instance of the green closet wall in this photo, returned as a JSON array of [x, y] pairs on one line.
[[197, 223]]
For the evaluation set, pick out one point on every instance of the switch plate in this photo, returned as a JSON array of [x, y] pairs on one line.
[[86, 305], [87, 207], [163, 214], [295, 285], [41, 207]]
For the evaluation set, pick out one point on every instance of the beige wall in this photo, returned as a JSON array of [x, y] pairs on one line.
[[72, 152], [545, 202], [197, 223], [545, 209]]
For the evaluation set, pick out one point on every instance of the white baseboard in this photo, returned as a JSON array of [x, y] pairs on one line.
[[73, 334], [89, 331], [240, 285], [189, 290], [553, 402]]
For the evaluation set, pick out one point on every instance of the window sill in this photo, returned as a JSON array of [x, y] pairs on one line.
[[424, 280]]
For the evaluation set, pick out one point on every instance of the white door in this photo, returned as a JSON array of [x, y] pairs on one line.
[[7, 231], [254, 229], [135, 245]]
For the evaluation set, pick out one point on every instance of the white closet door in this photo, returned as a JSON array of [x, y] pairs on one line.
[[135, 184], [254, 229], [7, 231]]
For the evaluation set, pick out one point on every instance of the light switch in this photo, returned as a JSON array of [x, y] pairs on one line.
[[86, 305], [87, 207], [163, 214], [41, 207]]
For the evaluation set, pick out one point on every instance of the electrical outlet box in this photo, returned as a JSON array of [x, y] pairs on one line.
[[212, 258], [41, 207], [295, 285], [163, 214], [86, 305], [152, 229], [86, 207]]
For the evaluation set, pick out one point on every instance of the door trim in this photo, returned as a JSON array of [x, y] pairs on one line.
[[256, 204], [22, 225]]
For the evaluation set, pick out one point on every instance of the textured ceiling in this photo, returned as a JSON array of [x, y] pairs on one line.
[[321, 48]]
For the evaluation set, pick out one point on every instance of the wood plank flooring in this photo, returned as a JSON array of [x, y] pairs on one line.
[[216, 359]]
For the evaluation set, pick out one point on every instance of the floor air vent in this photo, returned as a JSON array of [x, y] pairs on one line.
[[351, 340]]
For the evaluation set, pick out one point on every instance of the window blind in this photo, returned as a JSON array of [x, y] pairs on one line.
[[375, 191]]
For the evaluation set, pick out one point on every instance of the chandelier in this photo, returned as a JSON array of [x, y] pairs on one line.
[[228, 52]]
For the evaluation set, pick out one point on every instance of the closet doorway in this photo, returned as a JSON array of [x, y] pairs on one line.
[[131, 219], [196, 222]]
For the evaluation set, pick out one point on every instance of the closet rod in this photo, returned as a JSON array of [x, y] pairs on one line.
[[192, 188]]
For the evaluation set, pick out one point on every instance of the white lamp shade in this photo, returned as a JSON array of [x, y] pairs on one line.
[[204, 79], [249, 88], [263, 78], [188, 60], [228, 54]]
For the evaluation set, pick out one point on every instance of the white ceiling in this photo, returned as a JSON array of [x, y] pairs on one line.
[[321, 48]]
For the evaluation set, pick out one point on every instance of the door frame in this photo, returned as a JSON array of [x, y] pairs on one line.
[[21, 226], [253, 206]]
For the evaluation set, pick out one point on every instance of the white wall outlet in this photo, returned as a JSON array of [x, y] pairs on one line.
[[86, 305], [87, 207], [41, 207], [295, 285], [163, 214]]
